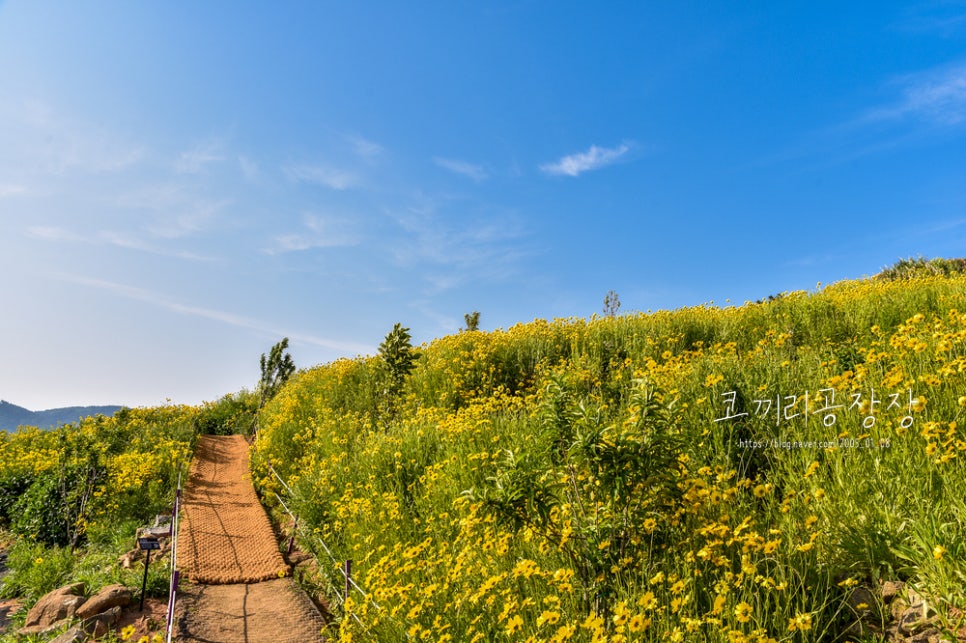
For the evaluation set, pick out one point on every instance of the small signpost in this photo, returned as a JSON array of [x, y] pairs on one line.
[[147, 538], [148, 545]]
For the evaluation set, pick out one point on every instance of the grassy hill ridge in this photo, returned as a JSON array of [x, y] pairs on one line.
[[720, 474]]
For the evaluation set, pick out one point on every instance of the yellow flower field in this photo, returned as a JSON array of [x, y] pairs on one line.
[[720, 474]]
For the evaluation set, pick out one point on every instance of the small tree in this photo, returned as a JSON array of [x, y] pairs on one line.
[[612, 303], [397, 354], [277, 368], [472, 320]]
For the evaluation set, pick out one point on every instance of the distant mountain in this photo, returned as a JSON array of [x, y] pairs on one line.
[[12, 416]]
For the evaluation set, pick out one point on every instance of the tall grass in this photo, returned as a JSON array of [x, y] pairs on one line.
[[510, 497]]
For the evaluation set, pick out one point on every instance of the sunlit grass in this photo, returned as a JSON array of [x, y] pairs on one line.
[[509, 497]]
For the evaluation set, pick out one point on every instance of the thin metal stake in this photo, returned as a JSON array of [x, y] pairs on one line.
[[144, 582]]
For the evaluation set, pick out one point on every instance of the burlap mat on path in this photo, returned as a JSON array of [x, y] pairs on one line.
[[225, 536], [274, 611]]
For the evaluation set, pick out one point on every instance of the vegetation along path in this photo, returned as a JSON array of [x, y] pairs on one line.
[[236, 587]]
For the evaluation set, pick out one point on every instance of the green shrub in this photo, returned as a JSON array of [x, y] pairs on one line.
[[233, 414], [35, 570], [922, 267], [13, 486]]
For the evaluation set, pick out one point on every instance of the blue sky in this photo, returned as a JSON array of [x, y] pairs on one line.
[[183, 184]]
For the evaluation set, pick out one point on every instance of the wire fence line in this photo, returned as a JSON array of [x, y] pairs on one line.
[[175, 574], [344, 568]]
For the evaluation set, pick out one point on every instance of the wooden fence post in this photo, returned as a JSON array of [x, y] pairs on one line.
[[348, 578]]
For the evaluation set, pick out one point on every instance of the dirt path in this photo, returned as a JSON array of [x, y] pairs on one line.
[[271, 611], [7, 607], [235, 590]]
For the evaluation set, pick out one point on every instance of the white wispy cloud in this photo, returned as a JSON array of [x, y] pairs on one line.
[[11, 189], [449, 252], [176, 210], [937, 95], [53, 233], [249, 168], [317, 232], [918, 105], [55, 144], [475, 172], [195, 160], [134, 242], [230, 319], [594, 158], [194, 217], [329, 177], [945, 19], [114, 238], [364, 148]]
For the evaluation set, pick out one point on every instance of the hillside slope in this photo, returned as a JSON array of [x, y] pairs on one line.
[[719, 474]]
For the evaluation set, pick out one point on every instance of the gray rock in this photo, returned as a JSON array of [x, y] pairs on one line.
[[73, 635], [100, 624]]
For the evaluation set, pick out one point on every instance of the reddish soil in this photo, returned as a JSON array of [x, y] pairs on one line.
[[226, 548], [7, 609], [147, 623]]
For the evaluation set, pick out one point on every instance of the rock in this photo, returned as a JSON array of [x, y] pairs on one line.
[[931, 635], [73, 635], [127, 560], [911, 621], [898, 607], [52, 608], [917, 602], [299, 557], [100, 624], [109, 596], [891, 589]]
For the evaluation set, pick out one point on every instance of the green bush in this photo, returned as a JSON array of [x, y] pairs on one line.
[[13, 486], [53, 509], [35, 570], [922, 267], [233, 414]]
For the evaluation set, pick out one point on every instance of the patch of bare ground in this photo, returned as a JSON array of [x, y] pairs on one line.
[[150, 621], [7, 609]]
